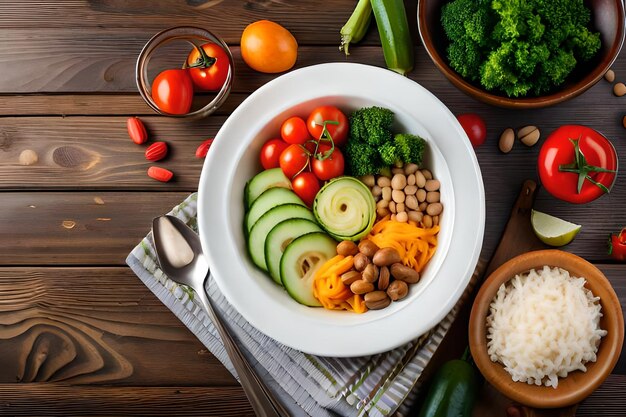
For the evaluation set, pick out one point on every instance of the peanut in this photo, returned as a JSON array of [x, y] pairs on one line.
[[619, 89], [609, 75], [432, 185], [427, 221], [377, 300], [398, 196], [415, 216], [422, 206], [507, 138], [370, 273], [434, 209], [410, 168], [404, 273], [410, 189], [421, 195], [410, 179], [402, 217], [427, 174], [382, 211], [361, 287], [360, 261], [400, 208], [432, 196], [377, 191], [529, 135], [28, 157], [349, 277], [384, 279], [347, 248], [382, 204], [368, 248], [386, 256], [383, 182], [420, 180], [398, 182], [386, 193], [392, 207], [396, 170], [411, 202], [397, 290]]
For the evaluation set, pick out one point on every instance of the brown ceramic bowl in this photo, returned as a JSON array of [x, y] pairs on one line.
[[607, 17], [577, 385]]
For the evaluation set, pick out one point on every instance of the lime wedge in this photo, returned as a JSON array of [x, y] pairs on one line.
[[552, 230]]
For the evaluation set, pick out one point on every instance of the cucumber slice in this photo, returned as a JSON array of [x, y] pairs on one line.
[[345, 208], [262, 181], [280, 237], [269, 199], [260, 230], [301, 259]]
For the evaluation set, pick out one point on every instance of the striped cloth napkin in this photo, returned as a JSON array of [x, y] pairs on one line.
[[376, 386]]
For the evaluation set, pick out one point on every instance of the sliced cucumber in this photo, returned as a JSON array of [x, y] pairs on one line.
[[345, 208], [280, 237], [269, 199], [260, 230], [301, 259], [262, 181]]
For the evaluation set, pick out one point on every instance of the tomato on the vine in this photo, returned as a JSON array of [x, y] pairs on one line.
[[326, 167], [212, 68], [270, 153], [293, 130], [172, 91], [617, 245], [293, 160], [577, 164], [474, 127], [306, 185], [337, 124]]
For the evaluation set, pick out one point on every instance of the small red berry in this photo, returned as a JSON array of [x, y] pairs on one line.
[[160, 174], [136, 130], [203, 149], [156, 151]]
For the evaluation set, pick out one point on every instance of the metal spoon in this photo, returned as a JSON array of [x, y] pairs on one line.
[[181, 258]]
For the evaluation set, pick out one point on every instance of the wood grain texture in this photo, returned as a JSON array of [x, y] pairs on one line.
[[62, 400], [95, 326], [70, 228]]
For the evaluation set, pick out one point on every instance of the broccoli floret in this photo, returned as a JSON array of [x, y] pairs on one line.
[[388, 153], [362, 158], [410, 148], [371, 125]]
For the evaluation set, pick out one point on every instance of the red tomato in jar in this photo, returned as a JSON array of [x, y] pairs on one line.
[[306, 185], [270, 153], [293, 160], [327, 167], [172, 91], [474, 127], [208, 76], [558, 159], [293, 130], [338, 128]]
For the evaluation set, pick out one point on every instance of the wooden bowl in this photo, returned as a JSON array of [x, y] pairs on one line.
[[577, 385], [607, 17]]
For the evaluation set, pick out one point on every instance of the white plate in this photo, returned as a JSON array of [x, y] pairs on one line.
[[233, 160]]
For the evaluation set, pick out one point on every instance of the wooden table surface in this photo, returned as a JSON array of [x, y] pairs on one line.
[[79, 333]]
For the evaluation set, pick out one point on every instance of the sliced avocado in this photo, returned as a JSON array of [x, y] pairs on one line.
[[262, 181], [270, 198], [280, 237], [260, 230], [345, 208], [301, 260]]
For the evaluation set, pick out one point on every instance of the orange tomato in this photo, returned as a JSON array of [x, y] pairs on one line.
[[268, 47]]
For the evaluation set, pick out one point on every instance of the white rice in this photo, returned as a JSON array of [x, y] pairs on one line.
[[543, 325]]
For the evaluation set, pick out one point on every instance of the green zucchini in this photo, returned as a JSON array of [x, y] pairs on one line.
[[356, 26], [395, 36]]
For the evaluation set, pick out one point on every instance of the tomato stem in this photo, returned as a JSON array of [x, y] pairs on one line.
[[325, 135], [203, 61], [582, 168]]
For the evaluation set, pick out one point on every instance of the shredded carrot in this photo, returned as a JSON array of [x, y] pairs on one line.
[[415, 244], [331, 292]]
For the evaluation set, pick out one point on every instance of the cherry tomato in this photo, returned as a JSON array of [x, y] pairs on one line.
[[268, 47], [558, 156], [293, 160], [475, 128], [293, 130], [172, 91], [331, 167], [339, 132], [212, 77], [306, 185], [617, 245], [270, 153]]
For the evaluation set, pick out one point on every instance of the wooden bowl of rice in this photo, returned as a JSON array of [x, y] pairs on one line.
[[577, 385]]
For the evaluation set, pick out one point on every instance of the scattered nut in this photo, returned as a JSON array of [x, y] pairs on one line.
[[370, 273], [619, 89], [609, 75], [368, 248], [404, 273], [528, 135], [361, 287], [383, 273], [360, 261], [422, 206], [386, 256], [397, 290], [28, 157], [384, 279], [376, 300], [349, 277], [507, 139], [347, 248]]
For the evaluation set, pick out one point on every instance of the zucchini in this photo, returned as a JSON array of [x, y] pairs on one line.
[[262, 181], [270, 198], [356, 26], [395, 36]]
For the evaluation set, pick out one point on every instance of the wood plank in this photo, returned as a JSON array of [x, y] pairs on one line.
[[95, 326], [84, 228], [62, 400]]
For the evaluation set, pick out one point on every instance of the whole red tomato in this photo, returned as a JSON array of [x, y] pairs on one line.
[[306, 185], [574, 164], [172, 91], [211, 74], [337, 124], [270, 153], [293, 130], [326, 167], [293, 160], [617, 245], [474, 127]]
